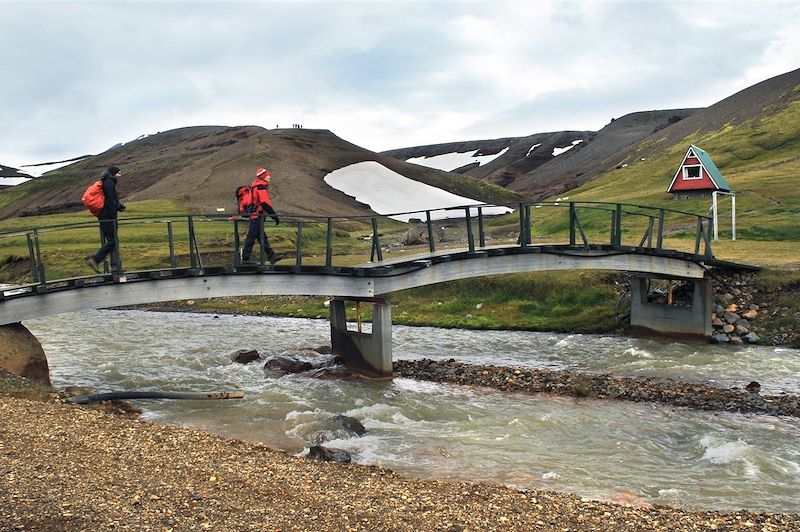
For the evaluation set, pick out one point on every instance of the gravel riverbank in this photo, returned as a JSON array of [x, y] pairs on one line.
[[65, 467]]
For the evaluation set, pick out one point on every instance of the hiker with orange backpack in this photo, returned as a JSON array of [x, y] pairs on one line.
[[107, 216], [255, 207]]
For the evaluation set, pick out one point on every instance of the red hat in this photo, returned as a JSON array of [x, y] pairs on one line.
[[263, 173]]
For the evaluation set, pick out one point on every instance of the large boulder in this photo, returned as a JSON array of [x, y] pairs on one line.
[[418, 234], [244, 356], [287, 363], [332, 428], [21, 353]]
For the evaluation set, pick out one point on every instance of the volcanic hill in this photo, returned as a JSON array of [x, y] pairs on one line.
[[200, 167]]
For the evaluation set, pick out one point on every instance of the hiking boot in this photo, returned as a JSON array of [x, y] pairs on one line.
[[90, 262], [274, 258]]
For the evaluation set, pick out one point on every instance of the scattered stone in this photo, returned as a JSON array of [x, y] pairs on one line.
[[326, 454], [753, 387], [287, 363], [750, 314], [728, 328], [244, 356], [751, 338], [731, 317], [333, 428]]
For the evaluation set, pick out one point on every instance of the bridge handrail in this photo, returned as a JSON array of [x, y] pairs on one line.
[[160, 218], [472, 213]]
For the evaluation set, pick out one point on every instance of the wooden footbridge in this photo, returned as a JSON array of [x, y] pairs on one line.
[[362, 258]]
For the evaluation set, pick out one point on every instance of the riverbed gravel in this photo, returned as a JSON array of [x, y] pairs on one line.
[[698, 396], [68, 467]]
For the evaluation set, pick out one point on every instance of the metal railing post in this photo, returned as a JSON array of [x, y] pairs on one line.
[[298, 246], [173, 260], [572, 220], [192, 257], [39, 263], [481, 232], [237, 254], [329, 245], [32, 259], [698, 235], [106, 269], [660, 239], [470, 236], [429, 223], [528, 225], [708, 251], [116, 253], [376, 244]]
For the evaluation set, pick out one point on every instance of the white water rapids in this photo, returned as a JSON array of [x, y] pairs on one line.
[[598, 449]]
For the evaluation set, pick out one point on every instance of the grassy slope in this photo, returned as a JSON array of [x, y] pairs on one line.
[[760, 159]]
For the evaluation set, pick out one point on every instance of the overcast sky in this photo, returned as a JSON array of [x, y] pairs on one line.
[[79, 77]]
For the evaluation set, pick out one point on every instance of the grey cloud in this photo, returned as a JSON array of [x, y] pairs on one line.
[[79, 77]]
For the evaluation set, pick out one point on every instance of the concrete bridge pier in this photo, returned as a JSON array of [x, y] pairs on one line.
[[367, 353], [673, 320]]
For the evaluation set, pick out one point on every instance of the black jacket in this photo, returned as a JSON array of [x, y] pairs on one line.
[[112, 205]]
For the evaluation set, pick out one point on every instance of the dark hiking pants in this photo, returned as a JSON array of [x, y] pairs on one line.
[[250, 240], [109, 233]]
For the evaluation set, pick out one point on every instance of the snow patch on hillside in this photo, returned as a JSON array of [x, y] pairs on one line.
[[559, 151], [387, 192], [12, 181], [38, 170], [451, 161], [533, 148]]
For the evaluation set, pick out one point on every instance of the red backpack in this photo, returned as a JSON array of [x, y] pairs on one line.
[[93, 198], [245, 199]]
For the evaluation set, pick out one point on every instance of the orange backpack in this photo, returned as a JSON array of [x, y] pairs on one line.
[[94, 199]]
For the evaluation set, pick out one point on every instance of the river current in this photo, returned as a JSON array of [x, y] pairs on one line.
[[596, 449]]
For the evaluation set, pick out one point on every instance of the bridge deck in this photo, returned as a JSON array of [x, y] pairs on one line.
[[203, 255]]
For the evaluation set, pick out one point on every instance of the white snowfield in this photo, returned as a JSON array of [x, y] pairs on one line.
[[12, 181], [40, 169], [387, 192], [558, 151], [451, 161]]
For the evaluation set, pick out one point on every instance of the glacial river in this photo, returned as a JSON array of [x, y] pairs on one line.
[[596, 449]]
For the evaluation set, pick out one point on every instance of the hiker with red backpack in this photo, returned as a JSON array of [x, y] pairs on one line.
[[106, 198], [254, 201]]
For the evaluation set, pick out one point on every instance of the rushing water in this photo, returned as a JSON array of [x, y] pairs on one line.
[[598, 449]]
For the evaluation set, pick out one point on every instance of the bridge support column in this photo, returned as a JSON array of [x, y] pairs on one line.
[[368, 353], [673, 320]]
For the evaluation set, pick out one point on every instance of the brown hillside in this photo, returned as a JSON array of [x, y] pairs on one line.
[[200, 167], [537, 173], [762, 98], [599, 154]]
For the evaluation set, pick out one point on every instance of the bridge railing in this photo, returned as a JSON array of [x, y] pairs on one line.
[[49, 257]]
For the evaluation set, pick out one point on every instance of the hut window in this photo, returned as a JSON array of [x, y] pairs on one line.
[[692, 172]]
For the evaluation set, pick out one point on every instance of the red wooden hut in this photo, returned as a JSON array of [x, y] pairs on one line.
[[697, 177]]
